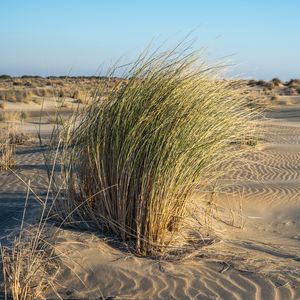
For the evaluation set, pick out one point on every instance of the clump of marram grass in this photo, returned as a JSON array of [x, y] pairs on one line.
[[132, 162]]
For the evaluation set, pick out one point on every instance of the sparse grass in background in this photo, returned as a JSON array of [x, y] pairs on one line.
[[269, 85], [6, 156], [16, 137], [276, 81], [292, 92], [275, 98], [160, 134], [24, 115], [14, 116], [4, 76], [37, 101], [10, 136], [8, 116], [80, 96]]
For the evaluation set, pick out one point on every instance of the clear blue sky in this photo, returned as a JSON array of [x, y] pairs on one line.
[[52, 37]]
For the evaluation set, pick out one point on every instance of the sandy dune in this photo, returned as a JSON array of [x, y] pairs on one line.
[[259, 261], [257, 222], [40, 117]]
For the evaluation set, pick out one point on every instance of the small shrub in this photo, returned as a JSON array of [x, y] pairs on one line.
[[252, 82], [269, 86], [7, 156], [23, 115], [61, 94], [261, 82], [37, 101], [4, 76], [76, 94], [80, 96], [292, 83], [12, 100], [276, 81], [2, 95], [17, 138], [21, 95], [292, 92], [28, 84], [8, 95], [9, 116], [48, 92], [40, 92], [275, 98]]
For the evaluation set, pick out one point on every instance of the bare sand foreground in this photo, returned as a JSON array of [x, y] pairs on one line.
[[257, 250]]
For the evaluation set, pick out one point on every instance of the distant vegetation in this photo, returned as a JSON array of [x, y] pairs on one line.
[[28, 88], [5, 76]]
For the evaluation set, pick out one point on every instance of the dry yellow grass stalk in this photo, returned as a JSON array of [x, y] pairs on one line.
[[7, 156]]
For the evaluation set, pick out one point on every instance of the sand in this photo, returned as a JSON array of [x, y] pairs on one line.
[[256, 255], [30, 167], [40, 117]]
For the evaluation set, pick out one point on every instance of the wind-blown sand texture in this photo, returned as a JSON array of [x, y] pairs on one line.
[[29, 166], [261, 260]]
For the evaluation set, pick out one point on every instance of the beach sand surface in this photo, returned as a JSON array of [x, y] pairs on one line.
[[256, 221]]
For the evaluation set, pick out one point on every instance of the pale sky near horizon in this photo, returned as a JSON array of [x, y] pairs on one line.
[[76, 37]]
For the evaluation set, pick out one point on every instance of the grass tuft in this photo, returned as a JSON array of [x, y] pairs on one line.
[[29, 265], [6, 156], [162, 132]]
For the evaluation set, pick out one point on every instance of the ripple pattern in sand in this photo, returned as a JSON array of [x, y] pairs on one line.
[[29, 165], [127, 277]]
